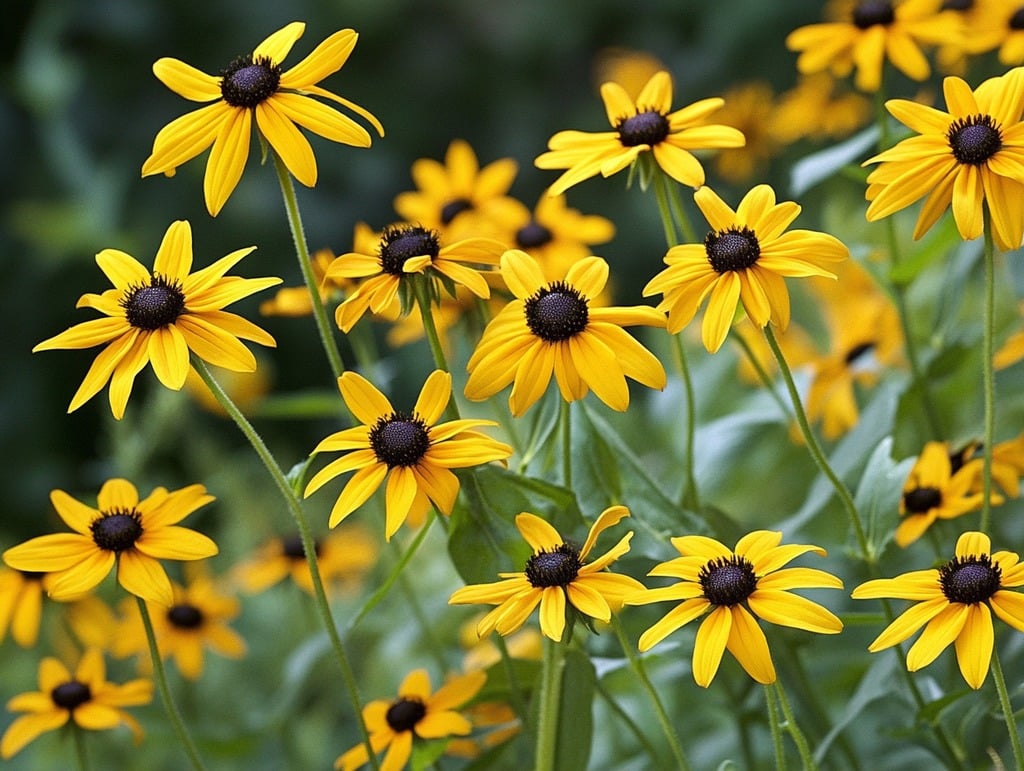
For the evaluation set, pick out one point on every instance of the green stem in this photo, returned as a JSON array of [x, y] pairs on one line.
[[640, 670], [1007, 708], [664, 208], [421, 288], [323, 325], [988, 375], [794, 730], [691, 495], [80, 755], [565, 429], [763, 375], [427, 637], [689, 234], [845, 498], [160, 675], [308, 544], [773, 724], [552, 673], [630, 723]]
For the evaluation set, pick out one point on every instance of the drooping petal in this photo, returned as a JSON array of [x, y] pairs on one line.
[[712, 637], [974, 645], [750, 647]]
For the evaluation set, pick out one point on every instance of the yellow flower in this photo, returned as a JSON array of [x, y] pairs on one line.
[[1011, 50], [969, 156], [255, 86], [411, 449], [458, 199], [1011, 351], [416, 713], [956, 603], [552, 327], [818, 108], [749, 107], [629, 68], [85, 698], [1007, 465], [159, 316], [555, 577], [865, 33], [135, 535], [21, 605], [196, 620], [733, 587], [295, 300], [743, 258], [644, 124]]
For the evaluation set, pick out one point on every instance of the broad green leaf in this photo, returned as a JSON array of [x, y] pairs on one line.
[[819, 166], [575, 713], [878, 495]]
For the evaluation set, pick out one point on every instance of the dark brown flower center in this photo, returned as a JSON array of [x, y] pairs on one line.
[[293, 549], [958, 458], [117, 530], [32, 575], [185, 616], [400, 439], [399, 244], [871, 12], [1017, 20], [532, 236], [247, 82], [405, 713], [970, 579], [153, 305], [974, 139], [558, 567], [921, 500], [454, 208], [727, 580], [732, 249], [644, 128], [556, 312], [857, 351], [71, 694], [957, 5]]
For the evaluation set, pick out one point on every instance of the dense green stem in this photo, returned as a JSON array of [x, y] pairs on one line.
[[160, 675], [323, 325], [565, 430], [773, 724], [988, 375], [689, 234], [664, 208], [794, 729], [552, 673], [1007, 709], [421, 288], [762, 374], [308, 544]]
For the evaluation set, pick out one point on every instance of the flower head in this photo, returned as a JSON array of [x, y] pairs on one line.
[[954, 604], [85, 698], [411, 450], [21, 604], [416, 713], [135, 535], [646, 124], [256, 85], [158, 316], [296, 300], [866, 33], [743, 258], [552, 327], [735, 586], [966, 157], [557, 575]]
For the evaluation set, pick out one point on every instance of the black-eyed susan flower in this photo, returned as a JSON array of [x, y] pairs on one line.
[[256, 86], [733, 587], [197, 620], [414, 452], [552, 328], [21, 605], [817, 107], [134, 535], [1011, 47], [343, 557], [954, 604], [1007, 464], [458, 198], [415, 714], [644, 124], [743, 258], [967, 157], [386, 261], [867, 33], [85, 699], [158, 316], [934, 491], [557, 577], [749, 107]]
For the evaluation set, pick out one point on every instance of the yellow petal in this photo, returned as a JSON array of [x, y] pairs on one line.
[[186, 81]]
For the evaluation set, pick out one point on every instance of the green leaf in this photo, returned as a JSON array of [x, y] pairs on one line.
[[575, 712], [425, 753], [819, 166], [878, 495], [877, 683]]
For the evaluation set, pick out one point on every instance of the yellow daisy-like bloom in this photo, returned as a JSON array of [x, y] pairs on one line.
[[251, 86], [122, 530], [411, 449], [933, 490], [416, 713], [158, 316], [196, 620], [956, 603], [343, 557], [750, 108], [552, 327], [385, 262], [969, 156], [743, 258], [735, 586], [457, 198], [85, 698], [556, 577], [818, 108], [1011, 48], [866, 33], [644, 124], [21, 605], [1007, 465]]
